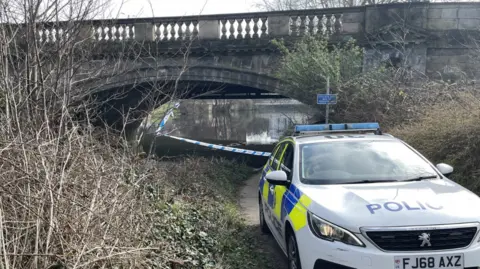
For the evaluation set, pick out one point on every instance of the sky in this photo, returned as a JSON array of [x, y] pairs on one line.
[[165, 8]]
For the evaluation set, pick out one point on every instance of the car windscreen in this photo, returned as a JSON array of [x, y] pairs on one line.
[[341, 162]]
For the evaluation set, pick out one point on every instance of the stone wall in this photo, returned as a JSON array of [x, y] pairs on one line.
[[436, 39]]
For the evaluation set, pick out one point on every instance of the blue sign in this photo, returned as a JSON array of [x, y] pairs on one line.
[[324, 99]]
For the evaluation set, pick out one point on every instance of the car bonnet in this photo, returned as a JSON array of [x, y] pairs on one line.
[[427, 202]]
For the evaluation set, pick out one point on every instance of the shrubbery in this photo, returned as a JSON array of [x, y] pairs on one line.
[[449, 132], [78, 202]]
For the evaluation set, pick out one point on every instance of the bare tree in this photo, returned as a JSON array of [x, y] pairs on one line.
[[67, 199]]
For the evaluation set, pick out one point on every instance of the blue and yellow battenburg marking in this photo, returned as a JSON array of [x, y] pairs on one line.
[[283, 202], [292, 203]]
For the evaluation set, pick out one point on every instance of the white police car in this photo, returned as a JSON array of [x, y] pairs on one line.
[[347, 196]]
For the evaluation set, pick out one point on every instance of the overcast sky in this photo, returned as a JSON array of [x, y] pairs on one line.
[[162, 8]]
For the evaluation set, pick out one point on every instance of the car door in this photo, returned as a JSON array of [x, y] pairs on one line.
[[280, 192], [267, 189]]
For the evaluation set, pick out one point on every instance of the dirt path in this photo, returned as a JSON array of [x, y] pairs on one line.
[[249, 204]]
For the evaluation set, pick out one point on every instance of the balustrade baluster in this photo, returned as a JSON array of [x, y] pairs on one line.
[[104, 33], [172, 31], [338, 25], [50, 35], [158, 33], [311, 25], [44, 35], [303, 25], [255, 27], [247, 28], [240, 29], [328, 25], [264, 27], [56, 34], [180, 31], [110, 33], [188, 32], [96, 34], [117, 32], [232, 29], [195, 29], [224, 29], [131, 33], [165, 31], [124, 32], [320, 25]]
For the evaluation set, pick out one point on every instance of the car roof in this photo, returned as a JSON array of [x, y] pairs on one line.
[[327, 137]]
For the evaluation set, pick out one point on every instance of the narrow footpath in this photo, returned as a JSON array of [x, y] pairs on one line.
[[249, 204]]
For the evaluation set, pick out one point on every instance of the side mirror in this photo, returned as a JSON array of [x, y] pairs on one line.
[[445, 169], [277, 178]]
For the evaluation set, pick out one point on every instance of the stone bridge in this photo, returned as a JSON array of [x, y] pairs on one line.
[[233, 53]]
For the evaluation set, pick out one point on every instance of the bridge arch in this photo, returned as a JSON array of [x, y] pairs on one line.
[[264, 83], [132, 83]]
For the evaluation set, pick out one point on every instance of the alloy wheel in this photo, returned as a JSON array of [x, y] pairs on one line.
[[293, 257]]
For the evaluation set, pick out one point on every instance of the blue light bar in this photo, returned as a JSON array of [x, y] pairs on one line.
[[337, 127]]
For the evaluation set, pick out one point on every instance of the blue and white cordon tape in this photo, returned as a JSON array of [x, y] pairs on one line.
[[213, 146], [225, 148], [165, 119]]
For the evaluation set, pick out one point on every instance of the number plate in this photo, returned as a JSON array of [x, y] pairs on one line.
[[429, 262]]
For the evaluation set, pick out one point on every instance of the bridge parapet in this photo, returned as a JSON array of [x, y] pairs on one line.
[[334, 22], [242, 26]]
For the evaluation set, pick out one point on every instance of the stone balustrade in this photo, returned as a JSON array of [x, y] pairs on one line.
[[213, 27], [356, 22]]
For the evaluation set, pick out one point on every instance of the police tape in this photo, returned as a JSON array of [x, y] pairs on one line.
[[165, 119], [225, 148], [213, 146]]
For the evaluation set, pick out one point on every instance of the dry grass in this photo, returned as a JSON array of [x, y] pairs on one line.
[[74, 200], [449, 131]]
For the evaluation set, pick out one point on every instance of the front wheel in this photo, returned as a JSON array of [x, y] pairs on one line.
[[293, 255], [263, 224]]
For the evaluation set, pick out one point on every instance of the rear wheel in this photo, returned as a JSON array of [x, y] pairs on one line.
[[293, 255], [263, 224]]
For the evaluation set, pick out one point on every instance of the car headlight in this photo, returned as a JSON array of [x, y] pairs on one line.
[[331, 232]]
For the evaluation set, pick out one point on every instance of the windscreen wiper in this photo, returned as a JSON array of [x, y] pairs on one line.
[[420, 178], [369, 181]]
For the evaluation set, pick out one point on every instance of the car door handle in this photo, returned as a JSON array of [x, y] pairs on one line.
[[272, 189]]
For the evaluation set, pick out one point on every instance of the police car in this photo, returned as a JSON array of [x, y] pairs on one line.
[[347, 196]]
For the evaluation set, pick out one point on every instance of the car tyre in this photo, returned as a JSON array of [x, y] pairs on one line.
[[263, 225], [293, 254]]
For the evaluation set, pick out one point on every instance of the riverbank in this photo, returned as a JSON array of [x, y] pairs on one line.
[[104, 208], [200, 221]]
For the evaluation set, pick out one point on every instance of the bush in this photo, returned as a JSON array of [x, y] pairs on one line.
[[386, 94], [306, 65], [449, 132], [75, 201]]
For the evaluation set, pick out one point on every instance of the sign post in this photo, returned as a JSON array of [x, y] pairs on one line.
[[327, 99]]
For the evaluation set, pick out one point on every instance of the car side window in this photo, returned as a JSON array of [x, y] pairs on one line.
[[276, 158], [287, 161], [272, 157]]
